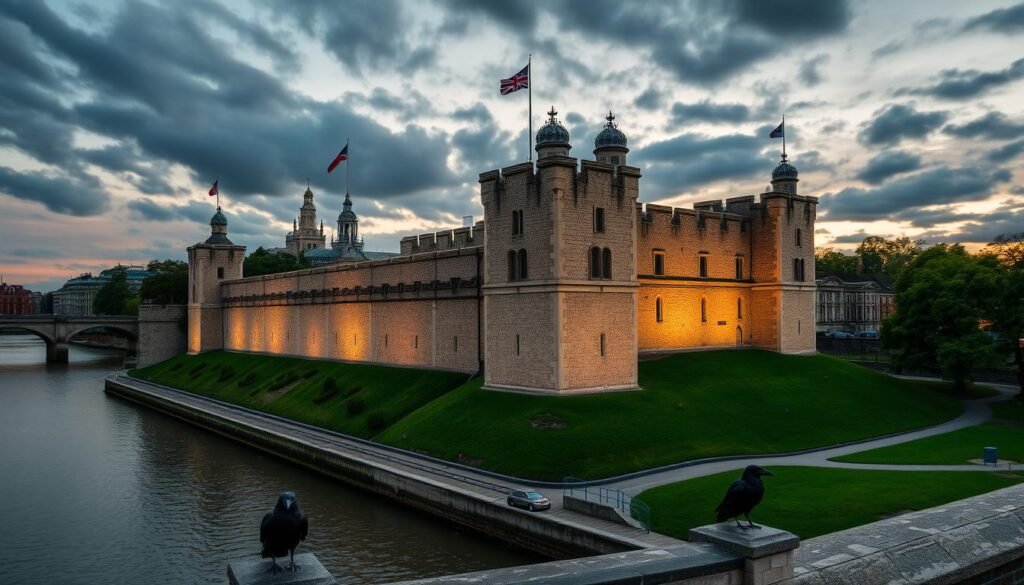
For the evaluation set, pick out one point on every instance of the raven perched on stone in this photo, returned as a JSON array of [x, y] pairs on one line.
[[282, 529], [744, 493]]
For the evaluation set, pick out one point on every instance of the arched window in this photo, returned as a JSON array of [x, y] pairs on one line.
[[606, 264], [658, 315], [703, 311], [739, 308], [523, 272], [511, 264], [595, 262]]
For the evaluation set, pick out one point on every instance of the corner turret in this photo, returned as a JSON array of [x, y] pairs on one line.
[[610, 144], [210, 263], [552, 138]]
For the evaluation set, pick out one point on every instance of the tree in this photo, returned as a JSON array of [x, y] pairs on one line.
[[1006, 255], [169, 286], [835, 262], [878, 255], [111, 298], [263, 262], [942, 297]]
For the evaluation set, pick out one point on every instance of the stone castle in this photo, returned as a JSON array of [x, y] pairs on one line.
[[567, 278]]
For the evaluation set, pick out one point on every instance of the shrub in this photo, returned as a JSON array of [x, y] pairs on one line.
[[248, 379], [328, 391], [355, 406], [377, 421], [283, 380], [226, 373]]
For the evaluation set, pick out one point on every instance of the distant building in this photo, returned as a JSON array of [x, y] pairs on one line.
[[347, 246], [15, 299], [305, 236], [853, 303], [77, 295], [37, 302]]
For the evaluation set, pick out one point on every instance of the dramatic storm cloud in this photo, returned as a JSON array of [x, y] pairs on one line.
[[116, 116]]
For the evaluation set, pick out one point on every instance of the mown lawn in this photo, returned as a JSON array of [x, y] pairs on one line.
[[809, 501], [1005, 432], [357, 399], [692, 405]]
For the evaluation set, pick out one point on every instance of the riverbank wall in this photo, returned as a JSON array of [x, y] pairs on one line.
[[483, 513]]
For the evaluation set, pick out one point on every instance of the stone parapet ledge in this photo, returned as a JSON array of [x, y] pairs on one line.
[[256, 571], [768, 552], [976, 540]]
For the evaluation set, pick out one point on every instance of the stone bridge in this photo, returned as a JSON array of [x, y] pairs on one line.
[[57, 330]]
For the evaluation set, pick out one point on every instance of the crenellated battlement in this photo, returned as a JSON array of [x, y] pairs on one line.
[[451, 239]]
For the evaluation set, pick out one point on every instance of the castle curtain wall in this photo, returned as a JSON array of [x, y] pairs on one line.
[[415, 311]]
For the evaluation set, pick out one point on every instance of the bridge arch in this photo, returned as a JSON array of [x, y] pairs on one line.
[[27, 328], [130, 330]]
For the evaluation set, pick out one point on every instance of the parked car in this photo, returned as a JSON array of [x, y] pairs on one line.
[[530, 500], [870, 334], [839, 335]]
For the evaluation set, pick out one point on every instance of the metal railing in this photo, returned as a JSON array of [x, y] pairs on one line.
[[611, 498]]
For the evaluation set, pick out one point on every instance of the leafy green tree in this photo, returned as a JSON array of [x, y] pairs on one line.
[[1006, 254], [263, 262], [111, 298], [834, 262], [942, 298], [169, 286], [878, 255]]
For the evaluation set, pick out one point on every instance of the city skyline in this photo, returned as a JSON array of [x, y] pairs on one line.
[[117, 117]]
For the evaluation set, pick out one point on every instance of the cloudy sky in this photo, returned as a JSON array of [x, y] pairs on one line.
[[905, 118]]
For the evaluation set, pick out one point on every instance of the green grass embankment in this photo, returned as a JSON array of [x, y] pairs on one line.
[[357, 399], [1005, 432], [811, 501], [693, 405]]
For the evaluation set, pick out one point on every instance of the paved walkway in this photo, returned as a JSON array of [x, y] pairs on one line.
[[975, 413]]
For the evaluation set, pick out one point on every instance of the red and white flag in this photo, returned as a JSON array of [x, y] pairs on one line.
[[343, 155], [213, 189], [518, 81]]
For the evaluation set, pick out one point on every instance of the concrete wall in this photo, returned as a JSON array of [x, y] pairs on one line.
[[978, 540], [162, 333], [420, 310]]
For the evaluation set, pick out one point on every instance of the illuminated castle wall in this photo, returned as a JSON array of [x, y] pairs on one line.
[[557, 290]]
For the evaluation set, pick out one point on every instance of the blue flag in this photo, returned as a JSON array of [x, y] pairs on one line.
[[779, 132]]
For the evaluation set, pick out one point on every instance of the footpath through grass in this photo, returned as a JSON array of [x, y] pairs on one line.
[[810, 501], [357, 399], [693, 405], [1005, 432]]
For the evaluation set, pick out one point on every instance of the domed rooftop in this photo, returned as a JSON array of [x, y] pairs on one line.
[[552, 133], [218, 218], [611, 136], [784, 171], [347, 214]]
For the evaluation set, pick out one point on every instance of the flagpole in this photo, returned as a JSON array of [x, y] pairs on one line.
[[783, 136], [347, 157], [529, 90], [217, 182]]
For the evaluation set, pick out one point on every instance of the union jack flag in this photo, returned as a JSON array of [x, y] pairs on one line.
[[518, 81]]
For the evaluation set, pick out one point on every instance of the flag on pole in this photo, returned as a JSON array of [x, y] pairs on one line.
[[518, 81], [343, 155], [779, 132], [213, 189]]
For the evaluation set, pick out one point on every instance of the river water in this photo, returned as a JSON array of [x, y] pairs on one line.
[[99, 490]]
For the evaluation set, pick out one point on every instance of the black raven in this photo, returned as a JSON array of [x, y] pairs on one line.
[[282, 529], [744, 493]]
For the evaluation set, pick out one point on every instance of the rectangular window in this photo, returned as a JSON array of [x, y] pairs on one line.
[[517, 345], [517, 222], [798, 237], [456, 344], [739, 268], [659, 262], [599, 220], [704, 266], [220, 272], [416, 344], [602, 345]]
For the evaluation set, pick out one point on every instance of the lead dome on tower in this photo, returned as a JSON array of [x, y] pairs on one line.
[[784, 170], [553, 133], [610, 135]]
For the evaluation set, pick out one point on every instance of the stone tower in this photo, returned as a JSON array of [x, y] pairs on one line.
[[305, 235], [559, 306], [782, 233], [347, 242], [209, 264]]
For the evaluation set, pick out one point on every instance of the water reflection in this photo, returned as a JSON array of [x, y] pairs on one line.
[[107, 491]]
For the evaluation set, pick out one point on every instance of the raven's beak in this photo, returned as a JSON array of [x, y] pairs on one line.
[[766, 472]]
